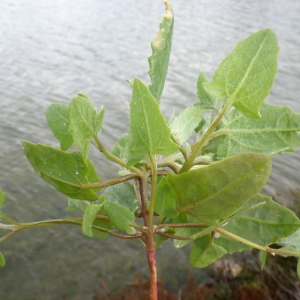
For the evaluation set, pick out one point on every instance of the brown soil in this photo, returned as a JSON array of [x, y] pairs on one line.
[[228, 281]]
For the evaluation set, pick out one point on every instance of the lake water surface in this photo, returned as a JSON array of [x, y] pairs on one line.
[[50, 51]]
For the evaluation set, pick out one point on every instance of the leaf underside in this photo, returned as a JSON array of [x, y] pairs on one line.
[[216, 191]]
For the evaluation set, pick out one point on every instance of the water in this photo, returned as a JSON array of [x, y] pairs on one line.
[[50, 51]]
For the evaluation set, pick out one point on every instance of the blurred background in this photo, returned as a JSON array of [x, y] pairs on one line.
[[50, 51]]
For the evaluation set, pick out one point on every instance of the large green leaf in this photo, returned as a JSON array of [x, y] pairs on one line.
[[149, 132], [85, 122], [67, 172], [275, 132], [246, 75], [185, 123], [265, 225], [216, 191], [161, 50], [120, 216], [230, 245], [124, 194], [205, 253], [57, 117]]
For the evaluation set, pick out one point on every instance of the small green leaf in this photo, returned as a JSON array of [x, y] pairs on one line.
[[2, 197], [205, 99], [291, 243], [67, 172], [101, 224], [120, 150], [82, 117], [57, 118], [99, 119], [185, 123], [186, 232], [120, 216], [205, 253], [161, 50], [2, 260], [265, 225], [88, 218], [298, 268], [165, 202], [246, 75], [276, 131], [262, 259], [74, 204], [149, 132], [216, 191], [124, 194]]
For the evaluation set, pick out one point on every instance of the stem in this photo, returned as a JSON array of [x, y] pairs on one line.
[[113, 157], [197, 147], [151, 245], [151, 252], [151, 255]]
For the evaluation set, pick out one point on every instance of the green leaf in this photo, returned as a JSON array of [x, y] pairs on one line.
[[101, 224], [246, 75], [74, 204], [291, 243], [265, 225], [185, 123], [83, 125], [57, 118], [149, 132], [161, 50], [216, 191], [120, 149], [124, 194], [205, 99], [120, 216], [2, 260], [262, 259], [298, 268], [276, 131], [205, 253], [88, 218], [165, 202], [99, 119], [2, 197], [67, 172]]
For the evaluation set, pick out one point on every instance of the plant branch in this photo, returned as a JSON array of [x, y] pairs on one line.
[[114, 158], [198, 146], [256, 246], [180, 149], [151, 245], [97, 185], [183, 225]]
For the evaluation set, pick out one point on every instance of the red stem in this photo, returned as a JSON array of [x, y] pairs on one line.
[[153, 274]]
